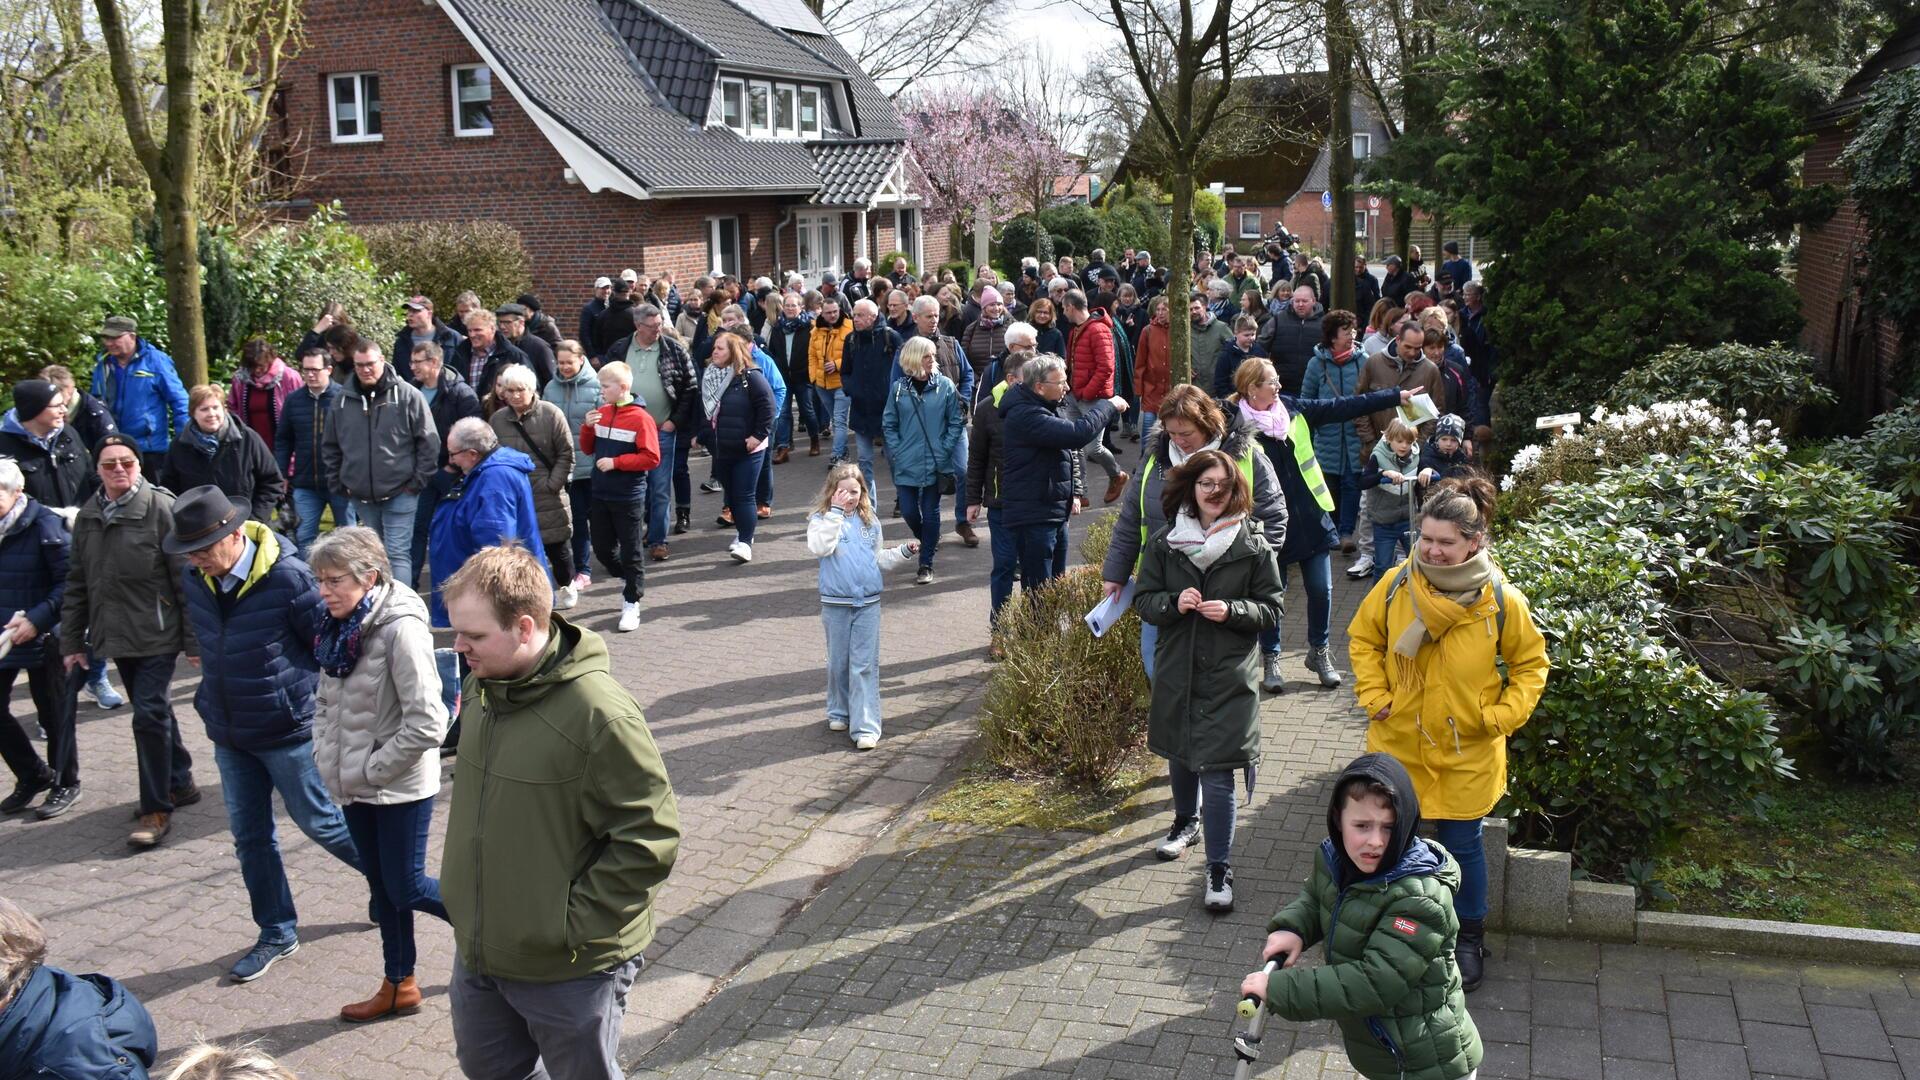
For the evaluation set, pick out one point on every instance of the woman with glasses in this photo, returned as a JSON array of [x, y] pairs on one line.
[[377, 725], [1209, 583]]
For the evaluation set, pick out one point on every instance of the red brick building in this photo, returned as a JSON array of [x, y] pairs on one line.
[[1857, 351], [679, 136]]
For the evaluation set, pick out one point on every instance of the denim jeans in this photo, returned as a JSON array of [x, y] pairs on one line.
[[738, 478], [394, 522], [1036, 544], [309, 503], [763, 487], [616, 541], [392, 841], [1346, 492], [838, 405], [853, 666], [1006, 559], [248, 779], [504, 1029], [920, 509], [809, 401], [1316, 573], [1387, 540], [783, 426], [1211, 795], [160, 757], [863, 444], [55, 695], [579, 504], [1147, 420], [660, 483], [1465, 841]]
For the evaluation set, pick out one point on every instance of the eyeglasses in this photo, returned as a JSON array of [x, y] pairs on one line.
[[1213, 485], [1054, 382], [120, 465], [333, 581]]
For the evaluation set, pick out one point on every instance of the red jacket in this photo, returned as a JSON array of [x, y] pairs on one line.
[[626, 435], [1153, 368], [1090, 357]]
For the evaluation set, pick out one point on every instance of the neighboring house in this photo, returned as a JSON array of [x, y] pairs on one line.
[[1857, 352], [664, 135], [1081, 188]]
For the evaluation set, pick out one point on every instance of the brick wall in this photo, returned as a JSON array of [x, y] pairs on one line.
[[1859, 366], [1304, 218]]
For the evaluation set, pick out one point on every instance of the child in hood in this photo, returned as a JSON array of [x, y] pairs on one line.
[[1390, 981]]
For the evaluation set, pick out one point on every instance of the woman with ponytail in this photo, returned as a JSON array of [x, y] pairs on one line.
[[1427, 645]]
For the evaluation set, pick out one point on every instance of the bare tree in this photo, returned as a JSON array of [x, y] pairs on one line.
[[243, 47], [1340, 46], [903, 44]]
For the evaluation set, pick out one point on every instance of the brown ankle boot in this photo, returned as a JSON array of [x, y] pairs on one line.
[[402, 998]]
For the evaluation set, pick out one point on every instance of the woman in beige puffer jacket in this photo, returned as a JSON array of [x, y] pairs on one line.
[[377, 726], [540, 430]]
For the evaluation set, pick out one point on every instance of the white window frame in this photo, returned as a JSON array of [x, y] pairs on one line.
[[819, 113], [361, 112], [792, 94], [1362, 146], [1254, 233], [1360, 223], [716, 264], [453, 81], [720, 104], [763, 130], [824, 231]]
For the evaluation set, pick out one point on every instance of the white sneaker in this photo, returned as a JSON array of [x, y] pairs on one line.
[[629, 615], [566, 596], [1219, 895], [836, 725], [866, 742], [741, 552], [1183, 835], [1361, 566]]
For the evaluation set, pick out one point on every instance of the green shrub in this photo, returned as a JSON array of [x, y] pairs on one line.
[[1771, 382], [293, 270], [1065, 703], [885, 265], [1076, 226], [1022, 237], [54, 307], [1888, 455], [442, 259], [1210, 217], [1519, 400]]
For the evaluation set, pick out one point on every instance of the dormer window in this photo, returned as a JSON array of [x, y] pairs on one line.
[[765, 109]]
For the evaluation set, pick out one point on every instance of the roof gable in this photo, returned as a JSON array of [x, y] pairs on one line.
[[682, 68], [737, 39]]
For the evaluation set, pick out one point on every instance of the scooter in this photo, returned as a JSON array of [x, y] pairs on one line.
[[1246, 1045]]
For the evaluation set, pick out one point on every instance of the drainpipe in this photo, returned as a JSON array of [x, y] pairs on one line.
[[777, 268]]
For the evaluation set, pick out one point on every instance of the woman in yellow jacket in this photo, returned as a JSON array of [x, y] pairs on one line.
[[1425, 647], [824, 351]]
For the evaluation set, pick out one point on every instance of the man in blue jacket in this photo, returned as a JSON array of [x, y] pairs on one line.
[[56, 1024], [491, 504], [141, 387], [1036, 463], [296, 448], [255, 610]]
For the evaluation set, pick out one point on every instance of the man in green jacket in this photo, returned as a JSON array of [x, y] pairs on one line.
[[561, 830]]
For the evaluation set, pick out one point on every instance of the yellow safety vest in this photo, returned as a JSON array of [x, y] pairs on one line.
[[1303, 456]]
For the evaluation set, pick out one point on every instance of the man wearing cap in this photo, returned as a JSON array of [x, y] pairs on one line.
[[246, 589], [1398, 282], [139, 384], [1145, 285], [539, 355], [124, 603], [539, 323], [34, 433], [422, 327], [591, 311]]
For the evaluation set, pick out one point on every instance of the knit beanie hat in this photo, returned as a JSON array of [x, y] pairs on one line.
[[1450, 425], [31, 398]]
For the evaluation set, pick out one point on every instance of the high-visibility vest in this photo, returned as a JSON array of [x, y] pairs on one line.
[[1246, 471], [1303, 456]]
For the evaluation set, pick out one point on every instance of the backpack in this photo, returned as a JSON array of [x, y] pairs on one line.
[[1499, 613]]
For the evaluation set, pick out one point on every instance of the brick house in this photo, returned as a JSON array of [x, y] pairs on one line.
[[679, 136], [1857, 352]]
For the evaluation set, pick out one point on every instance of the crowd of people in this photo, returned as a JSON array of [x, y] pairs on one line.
[[145, 521]]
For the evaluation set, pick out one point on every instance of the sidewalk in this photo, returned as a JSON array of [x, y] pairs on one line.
[[951, 951]]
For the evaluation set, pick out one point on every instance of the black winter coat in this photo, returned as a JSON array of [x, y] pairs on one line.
[[60, 474], [504, 352], [1366, 293], [1312, 530], [90, 419], [1290, 341], [402, 355], [1037, 456], [539, 356], [241, 466], [865, 376], [1397, 286], [297, 439], [454, 401], [613, 324], [33, 579], [746, 409]]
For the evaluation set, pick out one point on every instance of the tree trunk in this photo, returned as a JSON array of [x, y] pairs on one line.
[[1179, 279], [180, 266], [1402, 229], [1340, 182]]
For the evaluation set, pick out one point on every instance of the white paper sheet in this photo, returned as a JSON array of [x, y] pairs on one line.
[[1420, 410], [1108, 611]]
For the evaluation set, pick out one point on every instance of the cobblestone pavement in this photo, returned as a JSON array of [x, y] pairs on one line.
[[951, 951], [728, 668]]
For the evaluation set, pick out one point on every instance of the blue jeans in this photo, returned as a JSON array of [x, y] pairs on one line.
[[1006, 559], [1147, 421], [393, 522], [1465, 841], [763, 487], [579, 501], [392, 842], [853, 666], [920, 509], [1037, 544], [738, 477], [837, 404], [863, 445], [309, 503], [1316, 573], [660, 486], [1346, 489], [248, 779], [783, 426], [1387, 540], [1211, 795]]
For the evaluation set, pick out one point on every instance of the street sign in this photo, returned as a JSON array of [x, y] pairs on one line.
[[1373, 202], [1326, 200]]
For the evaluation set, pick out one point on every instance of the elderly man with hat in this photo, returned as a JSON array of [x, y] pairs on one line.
[[422, 326], [246, 590], [140, 386], [539, 355], [34, 433]]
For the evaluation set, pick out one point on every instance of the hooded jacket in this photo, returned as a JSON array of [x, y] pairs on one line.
[[143, 395], [1452, 709], [543, 435], [257, 671], [76, 1027], [827, 343], [297, 438], [377, 730], [1390, 980], [1206, 696], [381, 441], [1038, 456], [1146, 484], [124, 597], [89, 419], [575, 398], [1290, 340], [241, 466], [33, 578], [490, 505], [564, 824], [1337, 445], [58, 470]]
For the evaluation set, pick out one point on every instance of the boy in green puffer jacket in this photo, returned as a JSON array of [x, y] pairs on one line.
[[1382, 899]]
